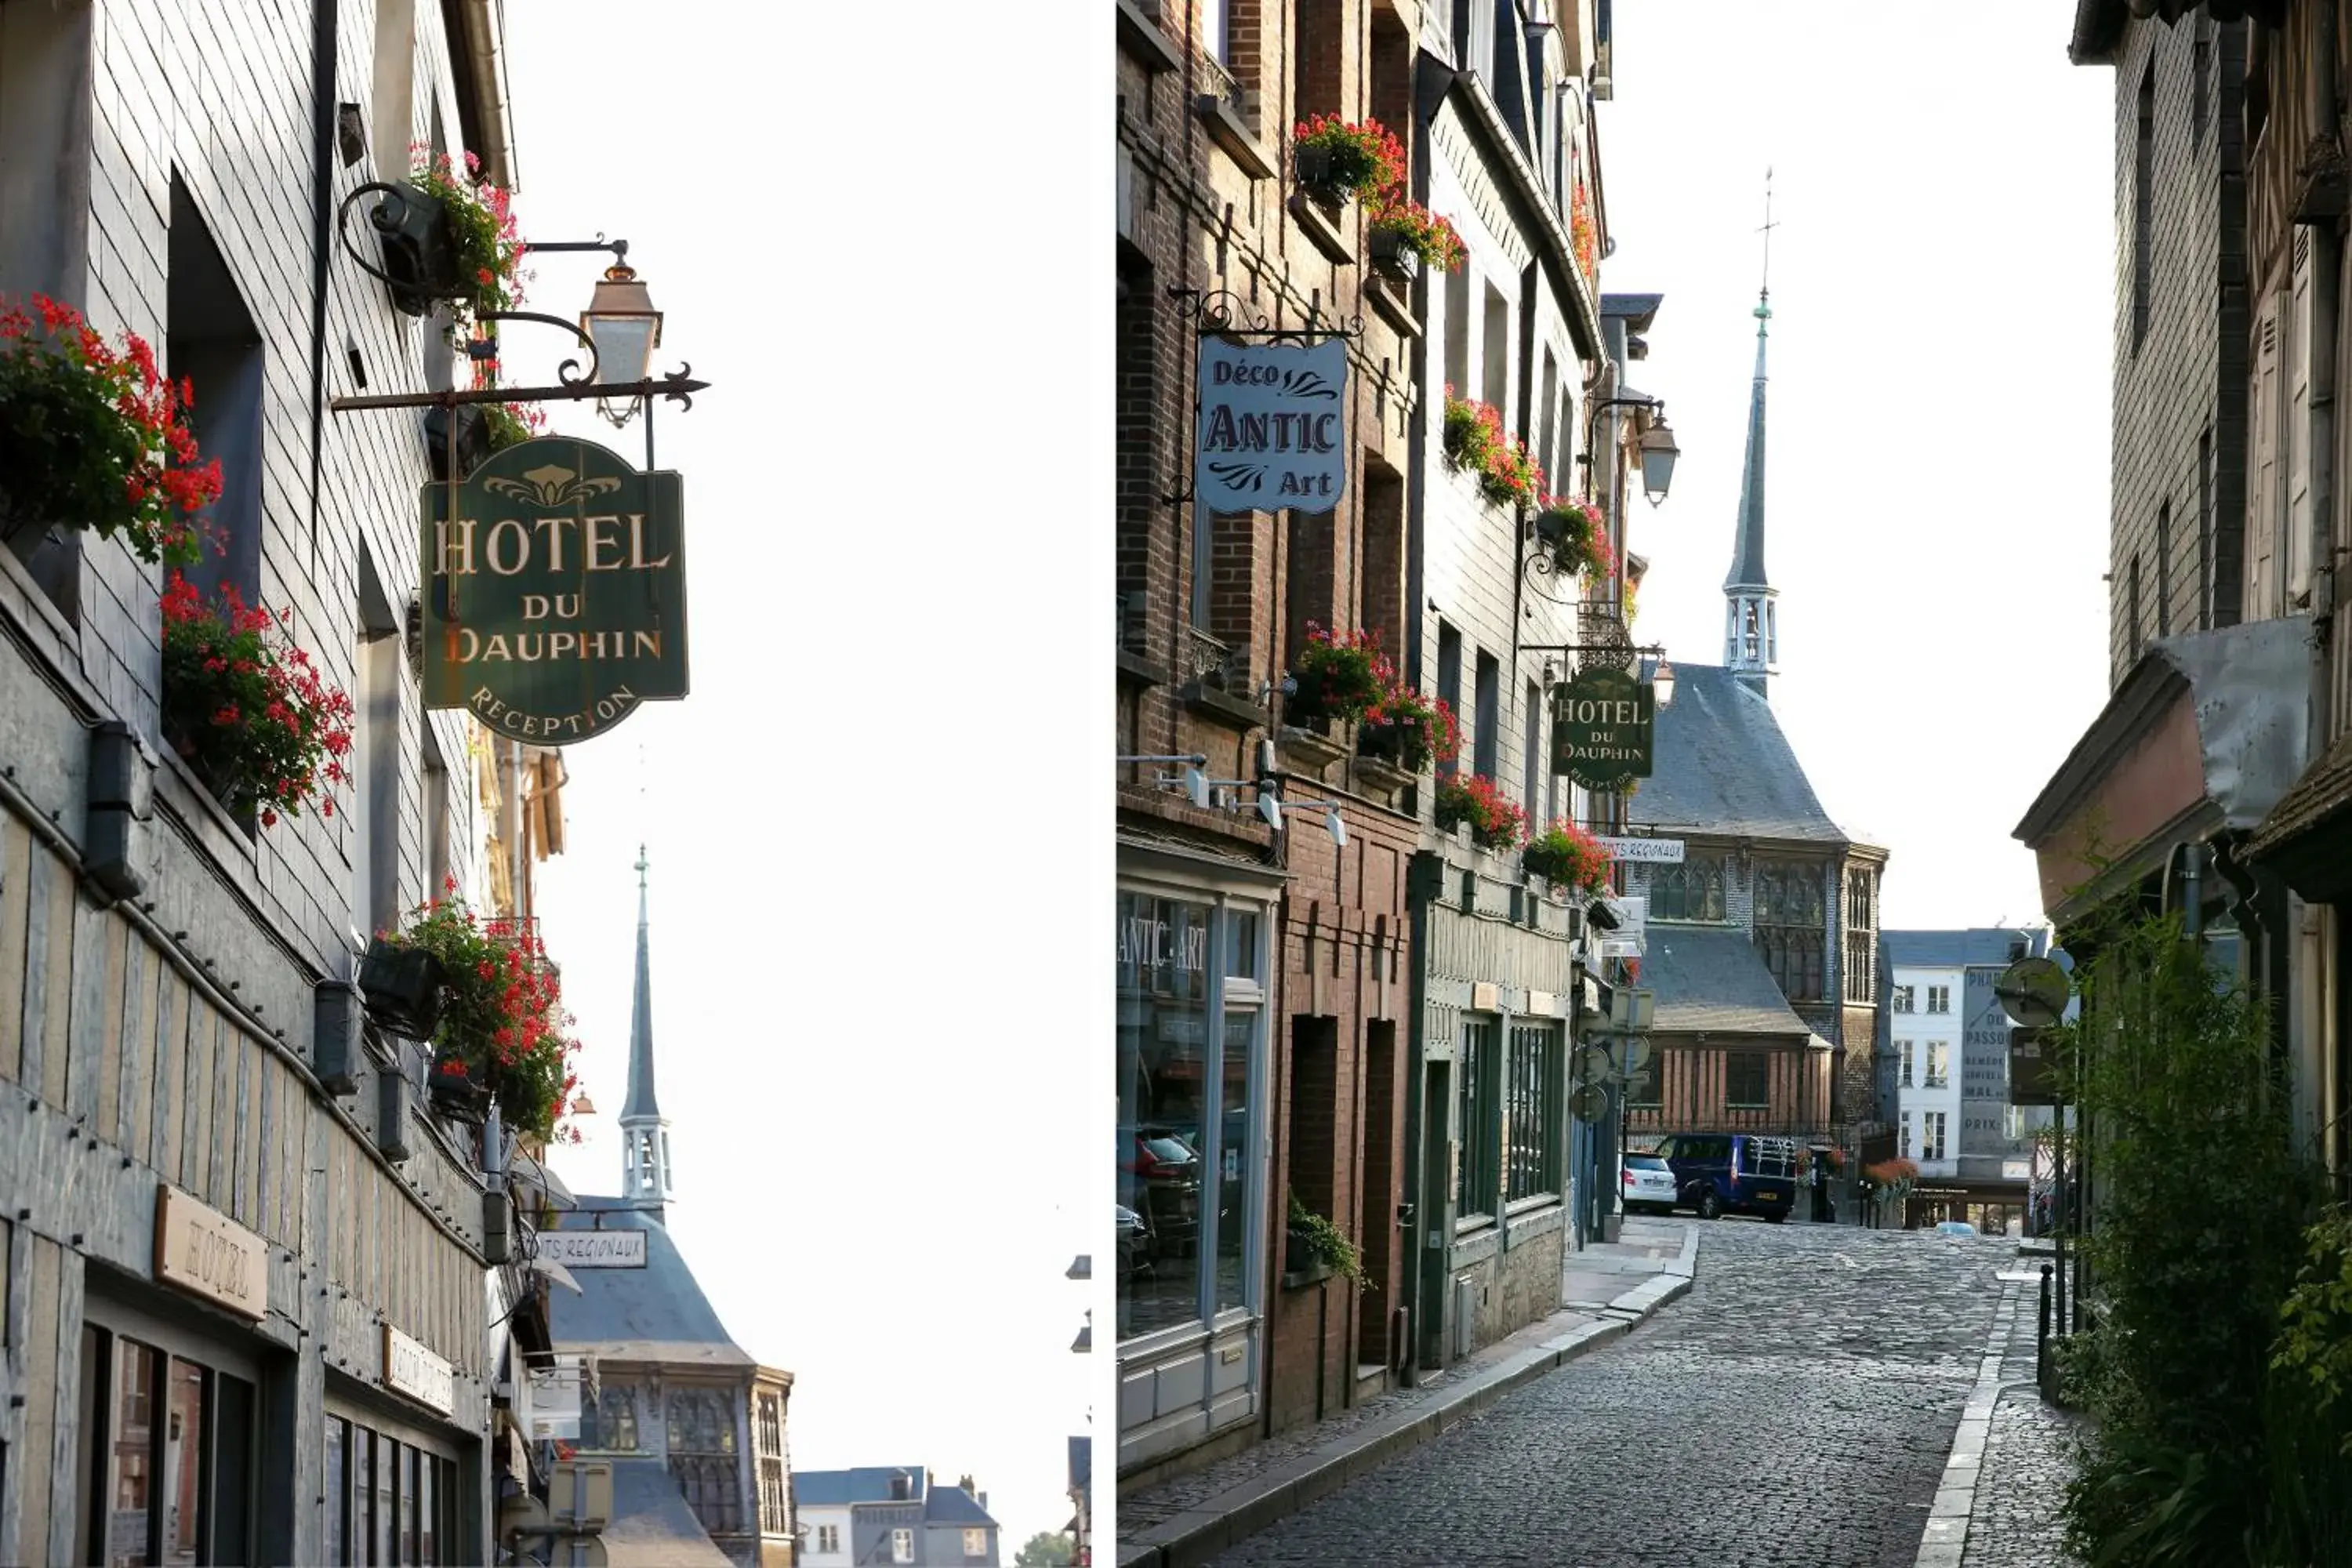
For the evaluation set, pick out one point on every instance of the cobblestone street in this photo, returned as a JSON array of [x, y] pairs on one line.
[[1794, 1411]]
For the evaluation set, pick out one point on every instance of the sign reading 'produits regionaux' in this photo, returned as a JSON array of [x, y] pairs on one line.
[[555, 591], [1602, 724], [1644, 851], [593, 1248], [1273, 431]]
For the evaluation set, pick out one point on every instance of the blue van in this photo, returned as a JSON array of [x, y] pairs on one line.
[[1733, 1172]]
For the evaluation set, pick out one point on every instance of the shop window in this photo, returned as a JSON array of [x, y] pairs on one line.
[[211, 341], [1187, 1176], [1690, 892], [386, 1501], [1476, 1172], [170, 1454], [338, 1481], [1531, 1112], [1746, 1081]]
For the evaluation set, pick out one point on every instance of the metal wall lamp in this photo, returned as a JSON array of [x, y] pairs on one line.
[[1658, 448]]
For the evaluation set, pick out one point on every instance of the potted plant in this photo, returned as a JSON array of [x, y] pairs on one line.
[[1408, 729], [1576, 535], [502, 1037], [1312, 1243], [401, 986], [1337, 677], [93, 436], [1472, 800], [1476, 443], [446, 239], [1568, 856], [1334, 159], [248, 710], [513, 424], [1406, 237]]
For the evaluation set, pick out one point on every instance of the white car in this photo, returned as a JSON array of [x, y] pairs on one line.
[[1649, 1184], [1955, 1228]]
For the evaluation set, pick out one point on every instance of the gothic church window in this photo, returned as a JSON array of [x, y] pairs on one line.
[[1690, 892], [608, 1423], [701, 1429], [1791, 918]]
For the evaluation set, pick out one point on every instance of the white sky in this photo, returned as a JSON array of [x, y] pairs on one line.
[[1942, 287], [878, 902], [879, 828]]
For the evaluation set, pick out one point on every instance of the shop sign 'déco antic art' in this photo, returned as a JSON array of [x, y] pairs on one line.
[[1272, 432], [555, 591]]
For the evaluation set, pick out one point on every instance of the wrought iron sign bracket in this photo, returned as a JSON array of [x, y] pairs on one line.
[[1649, 650], [678, 386], [1221, 313]]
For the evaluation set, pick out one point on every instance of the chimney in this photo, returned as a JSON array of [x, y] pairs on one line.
[[966, 1484], [983, 1502]]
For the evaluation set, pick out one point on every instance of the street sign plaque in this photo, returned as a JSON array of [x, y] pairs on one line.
[[1644, 851]]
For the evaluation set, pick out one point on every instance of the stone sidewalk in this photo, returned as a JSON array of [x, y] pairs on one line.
[[1606, 1289], [1999, 1505]]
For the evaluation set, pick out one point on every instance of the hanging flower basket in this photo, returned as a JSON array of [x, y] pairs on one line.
[[92, 436], [503, 1036], [1568, 856], [1408, 730], [1406, 238], [1334, 159], [248, 709], [1339, 677], [1576, 537], [1476, 443], [1472, 799], [447, 240], [1584, 234], [402, 988]]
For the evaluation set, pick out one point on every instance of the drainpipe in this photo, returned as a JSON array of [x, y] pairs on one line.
[[484, 62], [323, 201]]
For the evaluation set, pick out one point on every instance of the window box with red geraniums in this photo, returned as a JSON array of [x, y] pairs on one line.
[[503, 1036], [1334, 159], [93, 436], [1584, 235], [1576, 537], [1568, 856], [1472, 799], [1476, 443], [1408, 730], [246, 710], [1339, 677], [446, 239], [1406, 237]]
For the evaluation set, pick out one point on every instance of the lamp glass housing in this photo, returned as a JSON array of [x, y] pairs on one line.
[[1658, 455], [622, 322], [1661, 683]]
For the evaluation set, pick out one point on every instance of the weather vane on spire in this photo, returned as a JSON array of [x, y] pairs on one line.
[[1764, 293]]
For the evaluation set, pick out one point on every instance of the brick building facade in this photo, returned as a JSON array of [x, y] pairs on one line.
[[1293, 1009]]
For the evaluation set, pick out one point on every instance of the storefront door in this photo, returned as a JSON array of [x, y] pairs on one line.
[[391, 1488]]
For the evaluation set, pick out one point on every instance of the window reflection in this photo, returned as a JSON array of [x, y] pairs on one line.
[[130, 1499], [1163, 1051], [184, 1426]]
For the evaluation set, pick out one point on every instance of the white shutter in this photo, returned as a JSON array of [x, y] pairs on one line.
[[2295, 550], [2263, 480]]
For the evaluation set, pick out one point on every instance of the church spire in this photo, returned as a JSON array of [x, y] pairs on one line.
[[645, 1132], [1751, 634]]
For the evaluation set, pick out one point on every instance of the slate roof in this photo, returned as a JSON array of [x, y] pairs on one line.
[[651, 1525], [1981, 946], [1723, 766], [954, 1506], [658, 1313], [1711, 979], [866, 1483]]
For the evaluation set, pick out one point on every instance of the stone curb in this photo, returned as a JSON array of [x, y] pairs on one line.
[[1944, 1542], [1198, 1535]]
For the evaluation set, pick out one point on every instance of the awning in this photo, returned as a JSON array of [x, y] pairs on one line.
[[2307, 836], [557, 1272], [2204, 735]]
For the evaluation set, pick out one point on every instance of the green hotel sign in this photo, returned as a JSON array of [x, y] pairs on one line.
[[554, 591], [1603, 724]]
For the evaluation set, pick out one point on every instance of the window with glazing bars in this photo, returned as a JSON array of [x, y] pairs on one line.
[[1531, 1112], [1476, 1167]]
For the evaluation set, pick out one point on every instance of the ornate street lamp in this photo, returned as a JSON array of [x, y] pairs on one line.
[[1658, 455], [623, 324]]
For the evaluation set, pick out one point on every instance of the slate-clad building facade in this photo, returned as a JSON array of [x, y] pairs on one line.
[[245, 1312]]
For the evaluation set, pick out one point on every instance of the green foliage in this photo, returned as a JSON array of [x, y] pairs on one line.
[[2202, 1200], [503, 1026], [1329, 1243], [2314, 1345], [1046, 1550]]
